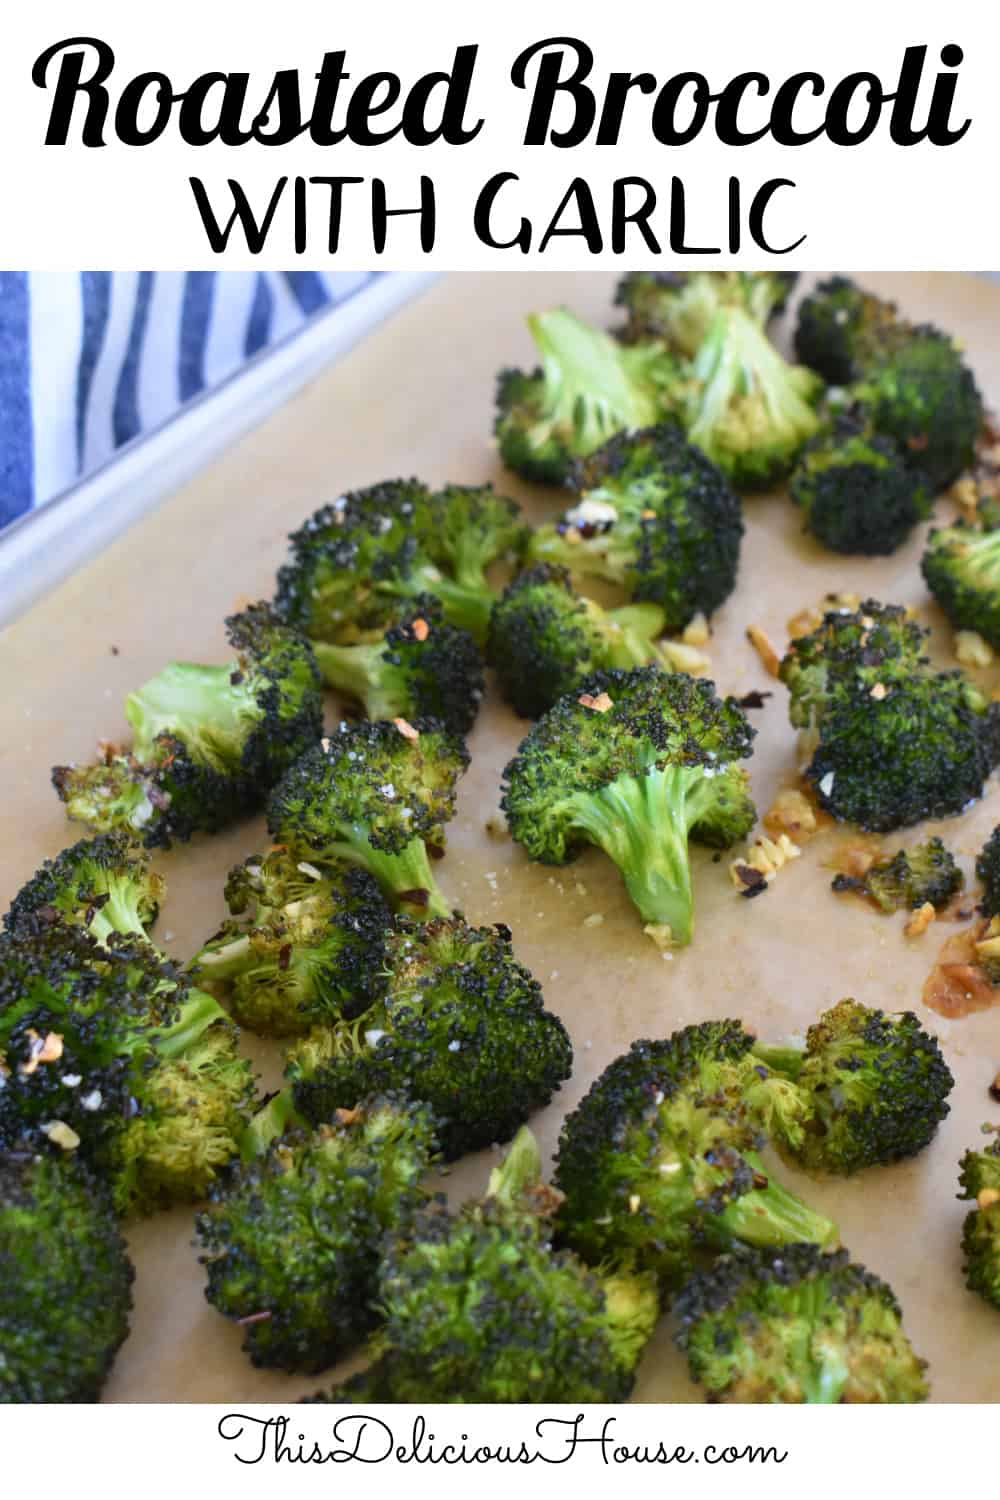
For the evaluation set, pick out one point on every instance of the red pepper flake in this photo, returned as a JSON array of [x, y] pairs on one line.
[[420, 628], [260, 1317], [599, 703], [918, 442], [406, 729]]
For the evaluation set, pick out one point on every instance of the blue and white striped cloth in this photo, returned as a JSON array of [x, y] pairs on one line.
[[89, 361]]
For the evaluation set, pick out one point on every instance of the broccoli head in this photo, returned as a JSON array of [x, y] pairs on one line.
[[460, 1024], [909, 879], [796, 1326], [208, 742], [856, 493], [980, 1180], [66, 1289], [961, 567], [658, 1162], [988, 871], [587, 388], [678, 306], [377, 795], [637, 763], [102, 884], [842, 329], [291, 1242], [311, 945], [655, 517]]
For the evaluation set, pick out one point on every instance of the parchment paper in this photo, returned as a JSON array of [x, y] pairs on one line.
[[416, 397]]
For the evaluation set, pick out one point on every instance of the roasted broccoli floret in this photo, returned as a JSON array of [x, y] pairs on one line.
[[460, 1024], [842, 329], [678, 306], [856, 493], [988, 871], [909, 879], [655, 517], [637, 763], [102, 884], [377, 795], [587, 388], [961, 567], [208, 742], [979, 1178], [292, 1240], [873, 1089], [479, 1307], [658, 1162], [898, 742], [421, 668], [66, 1288], [310, 945], [796, 1326]]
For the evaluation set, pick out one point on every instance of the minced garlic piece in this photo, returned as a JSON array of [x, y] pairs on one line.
[[600, 704], [406, 729], [972, 650], [696, 631], [684, 657], [921, 920], [766, 857], [791, 812], [987, 1197], [761, 643]]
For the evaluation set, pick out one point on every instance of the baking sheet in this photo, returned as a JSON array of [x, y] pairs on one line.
[[416, 397]]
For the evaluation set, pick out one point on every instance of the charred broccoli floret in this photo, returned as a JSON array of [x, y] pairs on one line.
[[961, 567], [979, 1178], [658, 1162], [377, 795], [856, 493], [637, 763], [796, 1326], [872, 1087], [208, 742], [292, 1240], [988, 871], [842, 329], [310, 945], [587, 388], [66, 1288], [460, 1025], [909, 879], [102, 884], [678, 306], [655, 517]]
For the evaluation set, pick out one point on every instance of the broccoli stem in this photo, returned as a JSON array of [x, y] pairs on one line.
[[772, 1216], [199, 1011], [518, 1173], [227, 962], [268, 1124], [588, 389], [781, 1059], [361, 674], [118, 915], [203, 706], [404, 877], [981, 558], [466, 606]]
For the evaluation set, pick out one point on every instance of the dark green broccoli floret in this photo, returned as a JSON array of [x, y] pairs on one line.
[[679, 305], [842, 328], [912, 877], [421, 668], [66, 1287], [856, 492], [103, 884], [961, 567], [979, 1177], [292, 1240], [657, 518], [377, 795], [480, 1308], [208, 742], [796, 1326], [988, 871], [637, 763], [588, 388], [872, 1090], [311, 947], [460, 1025], [658, 1162]]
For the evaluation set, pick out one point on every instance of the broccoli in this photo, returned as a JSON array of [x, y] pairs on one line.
[[377, 795], [856, 492], [480, 1308], [842, 329], [421, 668], [102, 884], [796, 1326], [460, 1025], [208, 742], [66, 1289], [588, 388], [637, 763], [291, 1241], [108, 1052], [873, 1089], [988, 871], [961, 567], [909, 879], [311, 946], [678, 306], [980, 1180], [656, 518], [658, 1162], [898, 742]]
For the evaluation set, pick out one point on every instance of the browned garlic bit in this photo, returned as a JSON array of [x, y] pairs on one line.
[[41, 1049], [791, 812], [764, 648], [987, 1197], [921, 920], [600, 704], [971, 650], [421, 629], [61, 1135], [696, 632], [989, 947], [686, 658], [406, 729], [761, 863]]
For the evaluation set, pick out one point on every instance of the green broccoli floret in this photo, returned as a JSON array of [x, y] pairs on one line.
[[66, 1288], [102, 884], [842, 329], [744, 406], [796, 1326], [377, 795], [961, 567], [480, 1308], [655, 517], [208, 742], [421, 668], [910, 879], [292, 1240], [587, 388], [988, 871], [979, 1178], [638, 763], [678, 306], [856, 493], [310, 948], [872, 1087], [658, 1162], [460, 1024]]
